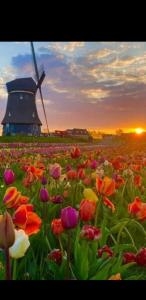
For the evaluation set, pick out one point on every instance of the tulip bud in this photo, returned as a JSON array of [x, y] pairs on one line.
[[56, 256], [44, 180], [44, 195], [7, 233], [69, 217], [9, 176]]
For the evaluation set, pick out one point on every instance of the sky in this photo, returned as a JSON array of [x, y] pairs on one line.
[[93, 85]]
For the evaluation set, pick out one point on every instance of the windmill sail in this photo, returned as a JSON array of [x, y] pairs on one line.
[[40, 77]]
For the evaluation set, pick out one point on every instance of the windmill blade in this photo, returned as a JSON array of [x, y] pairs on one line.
[[39, 81]]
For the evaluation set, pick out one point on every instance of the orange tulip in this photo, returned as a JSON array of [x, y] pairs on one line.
[[11, 197], [87, 209], [108, 203], [26, 219], [138, 208], [106, 186]]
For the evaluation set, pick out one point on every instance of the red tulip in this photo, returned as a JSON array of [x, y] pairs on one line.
[[90, 232], [141, 257], [129, 257], [87, 210], [56, 226], [75, 153]]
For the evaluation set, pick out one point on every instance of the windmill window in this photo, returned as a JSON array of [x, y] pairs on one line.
[[21, 97], [33, 115], [9, 114]]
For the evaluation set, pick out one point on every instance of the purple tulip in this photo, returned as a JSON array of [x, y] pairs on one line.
[[44, 195], [55, 171], [9, 176], [57, 199], [69, 217], [44, 180]]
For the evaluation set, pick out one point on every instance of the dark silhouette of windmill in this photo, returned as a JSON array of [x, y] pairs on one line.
[[21, 115]]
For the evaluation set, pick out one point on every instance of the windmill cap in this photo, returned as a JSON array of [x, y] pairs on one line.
[[22, 84]]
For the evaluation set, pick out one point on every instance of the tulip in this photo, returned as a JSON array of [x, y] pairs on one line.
[[115, 277], [56, 256], [90, 232], [44, 180], [81, 173], [72, 174], [141, 257], [9, 176], [87, 210], [137, 180], [93, 164], [75, 153], [106, 186], [21, 244], [69, 217], [11, 197], [108, 203], [57, 199], [44, 195], [89, 194], [7, 233], [56, 226], [105, 249], [55, 171], [129, 257], [138, 208], [26, 219]]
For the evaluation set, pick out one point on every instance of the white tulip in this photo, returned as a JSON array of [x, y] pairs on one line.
[[20, 245]]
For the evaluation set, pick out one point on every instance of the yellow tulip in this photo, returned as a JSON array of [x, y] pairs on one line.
[[90, 195], [115, 277], [21, 244]]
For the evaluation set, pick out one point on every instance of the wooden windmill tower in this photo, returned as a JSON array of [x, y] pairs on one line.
[[21, 115]]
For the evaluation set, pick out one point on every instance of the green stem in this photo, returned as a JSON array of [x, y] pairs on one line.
[[97, 211], [14, 268], [132, 240], [61, 246], [68, 256], [48, 243]]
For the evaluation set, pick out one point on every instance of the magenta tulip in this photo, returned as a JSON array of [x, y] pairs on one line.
[[69, 217], [9, 176], [44, 195]]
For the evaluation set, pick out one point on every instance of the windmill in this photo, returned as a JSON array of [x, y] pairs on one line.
[[39, 77]]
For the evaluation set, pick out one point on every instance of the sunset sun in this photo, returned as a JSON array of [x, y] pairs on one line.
[[139, 130]]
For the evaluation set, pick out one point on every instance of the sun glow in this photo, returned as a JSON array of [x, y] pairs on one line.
[[139, 130]]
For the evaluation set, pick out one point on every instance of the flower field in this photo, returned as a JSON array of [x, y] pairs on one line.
[[72, 212]]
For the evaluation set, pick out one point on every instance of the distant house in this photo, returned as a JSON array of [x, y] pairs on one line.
[[77, 132]]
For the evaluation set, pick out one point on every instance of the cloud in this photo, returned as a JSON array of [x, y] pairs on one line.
[[96, 93], [68, 47]]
